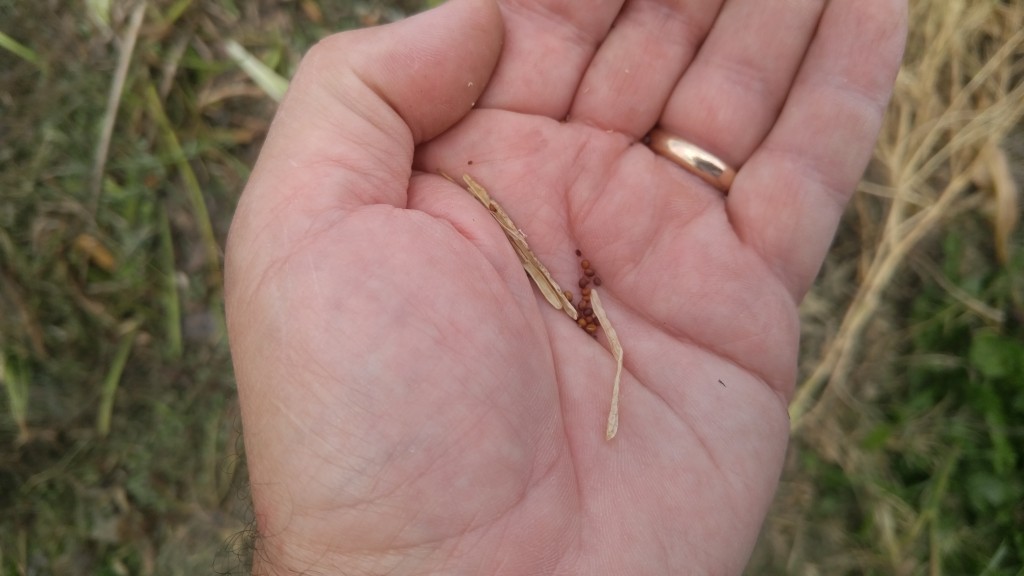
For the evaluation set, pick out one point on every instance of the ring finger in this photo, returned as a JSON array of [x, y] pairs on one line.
[[731, 94]]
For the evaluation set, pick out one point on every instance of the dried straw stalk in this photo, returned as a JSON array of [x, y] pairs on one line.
[[552, 292]]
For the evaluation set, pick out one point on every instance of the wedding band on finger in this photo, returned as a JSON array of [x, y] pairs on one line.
[[693, 158]]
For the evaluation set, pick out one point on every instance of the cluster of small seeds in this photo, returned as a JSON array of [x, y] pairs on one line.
[[587, 321]]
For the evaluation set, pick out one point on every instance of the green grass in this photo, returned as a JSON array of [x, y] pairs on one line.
[[119, 430], [909, 422]]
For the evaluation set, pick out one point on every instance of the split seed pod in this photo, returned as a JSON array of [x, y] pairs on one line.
[[558, 298], [613, 341], [552, 292]]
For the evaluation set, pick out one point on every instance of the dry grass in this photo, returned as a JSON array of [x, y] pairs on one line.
[[951, 114], [126, 134], [942, 167]]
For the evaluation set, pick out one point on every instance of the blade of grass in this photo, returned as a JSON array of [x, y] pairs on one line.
[[212, 458], [21, 51], [191, 182], [15, 382], [113, 104], [996, 560], [27, 314], [931, 510], [99, 10], [112, 381], [171, 300], [271, 82], [175, 11]]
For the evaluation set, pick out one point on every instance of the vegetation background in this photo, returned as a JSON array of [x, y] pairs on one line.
[[127, 130]]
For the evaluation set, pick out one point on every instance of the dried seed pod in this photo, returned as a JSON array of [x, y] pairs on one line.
[[550, 289], [593, 315], [613, 342]]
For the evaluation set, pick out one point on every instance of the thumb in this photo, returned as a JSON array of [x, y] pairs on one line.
[[345, 133]]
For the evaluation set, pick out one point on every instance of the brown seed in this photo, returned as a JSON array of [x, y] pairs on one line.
[[587, 312], [578, 253], [582, 322], [597, 280], [585, 264], [591, 328], [586, 292], [584, 281], [568, 295], [589, 272]]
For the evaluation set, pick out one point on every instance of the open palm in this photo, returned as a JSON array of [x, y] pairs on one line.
[[412, 405]]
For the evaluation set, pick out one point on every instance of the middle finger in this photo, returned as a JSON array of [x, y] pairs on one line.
[[639, 63], [730, 96], [547, 46]]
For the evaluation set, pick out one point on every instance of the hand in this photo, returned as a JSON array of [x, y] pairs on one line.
[[411, 404]]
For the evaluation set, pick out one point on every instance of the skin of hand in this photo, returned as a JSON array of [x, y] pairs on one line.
[[410, 403]]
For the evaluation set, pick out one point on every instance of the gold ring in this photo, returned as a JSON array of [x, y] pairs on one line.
[[695, 159]]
